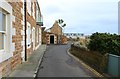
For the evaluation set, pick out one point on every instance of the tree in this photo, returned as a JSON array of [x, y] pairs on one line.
[[64, 25], [61, 23]]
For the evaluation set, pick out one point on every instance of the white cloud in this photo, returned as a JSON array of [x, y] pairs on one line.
[[82, 15]]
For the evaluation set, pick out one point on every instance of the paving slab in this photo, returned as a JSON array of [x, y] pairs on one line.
[[29, 68]]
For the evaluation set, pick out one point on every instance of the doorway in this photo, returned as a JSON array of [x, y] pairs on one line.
[[52, 39]]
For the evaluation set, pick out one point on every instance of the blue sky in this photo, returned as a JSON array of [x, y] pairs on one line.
[[82, 16]]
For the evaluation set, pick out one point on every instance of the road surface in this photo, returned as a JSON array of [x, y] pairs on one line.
[[57, 63]]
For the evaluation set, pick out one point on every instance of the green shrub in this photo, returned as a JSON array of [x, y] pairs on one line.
[[105, 43]]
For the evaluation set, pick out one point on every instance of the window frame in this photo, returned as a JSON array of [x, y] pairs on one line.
[[9, 48], [33, 9], [37, 35], [28, 35], [5, 31], [29, 7]]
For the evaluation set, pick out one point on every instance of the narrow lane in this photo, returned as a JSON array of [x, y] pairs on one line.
[[57, 63]]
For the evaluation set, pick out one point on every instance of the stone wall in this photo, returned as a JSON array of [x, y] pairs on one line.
[[18, 37], [10, 64], [56, 29]]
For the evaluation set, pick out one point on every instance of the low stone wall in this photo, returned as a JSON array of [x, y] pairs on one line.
[[92, 58]]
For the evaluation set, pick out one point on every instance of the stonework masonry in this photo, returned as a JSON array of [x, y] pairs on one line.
[[56, 31], [18, 36]]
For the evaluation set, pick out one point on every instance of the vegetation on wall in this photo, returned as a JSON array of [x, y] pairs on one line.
[[98, 47], [92, 58]]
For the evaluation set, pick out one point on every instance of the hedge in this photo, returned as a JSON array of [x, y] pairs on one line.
[[105, 43]]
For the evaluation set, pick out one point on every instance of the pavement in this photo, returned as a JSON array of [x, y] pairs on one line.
[[57, 62], [30, 68]]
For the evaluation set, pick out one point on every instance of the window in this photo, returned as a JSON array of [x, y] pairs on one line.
[[37, 35], [29, 7], [2, 29], [6, 45], [33, 10], [28, 36]]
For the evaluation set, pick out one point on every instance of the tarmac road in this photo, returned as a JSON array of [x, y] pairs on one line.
[[57, 63]]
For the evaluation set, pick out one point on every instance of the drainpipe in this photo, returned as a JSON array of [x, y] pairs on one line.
[[25, 30]]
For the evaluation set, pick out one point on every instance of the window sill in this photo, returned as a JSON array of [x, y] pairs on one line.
[[4, 55], [2, 50]]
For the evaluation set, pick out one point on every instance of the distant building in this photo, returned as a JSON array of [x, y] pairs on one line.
[[56, 29], [74, 35], [55, 35]]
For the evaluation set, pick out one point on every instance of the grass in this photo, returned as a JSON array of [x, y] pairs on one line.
[[92, 58]]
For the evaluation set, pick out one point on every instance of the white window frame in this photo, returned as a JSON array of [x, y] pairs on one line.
[[33, 8], [40, 37], [28, 35], [29, 7], [37, 35], [4, 32], [7, 52]]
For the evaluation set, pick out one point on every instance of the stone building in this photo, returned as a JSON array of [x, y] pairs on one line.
[[20, 32], [56, 29], [54, 35]]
